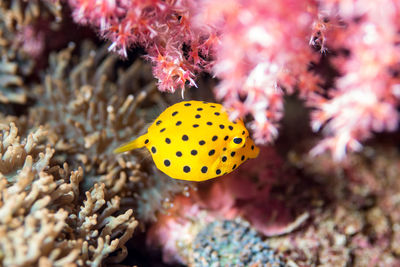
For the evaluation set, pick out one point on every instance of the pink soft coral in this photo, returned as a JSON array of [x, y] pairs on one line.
[[261, 51], [366, 95], [177, 50]]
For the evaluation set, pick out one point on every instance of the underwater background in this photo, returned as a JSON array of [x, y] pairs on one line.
[[317, 84]]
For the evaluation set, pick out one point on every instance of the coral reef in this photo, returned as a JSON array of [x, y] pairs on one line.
[[43, 219], [305, 76]]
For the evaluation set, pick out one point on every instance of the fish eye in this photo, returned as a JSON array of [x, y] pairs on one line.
[[237, 140]]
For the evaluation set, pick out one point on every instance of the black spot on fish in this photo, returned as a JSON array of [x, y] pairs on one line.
[[221, 126], [195, 125], [233, 154], [178, 123], [186, 169], [178, 153], [158, 122], [167, 140], [146, 141], [167, 162], [218, 172], [176, 112], [202, 142], [188, 104], [153, 149], [197, 116], [209, 123], [185, 137], [215, 138], [212, 152], [237, 140], [226, 138], [193, 152], [224, 159], [204, 169], [230, 127]]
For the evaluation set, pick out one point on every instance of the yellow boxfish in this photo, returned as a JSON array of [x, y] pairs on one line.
[[196, 141]]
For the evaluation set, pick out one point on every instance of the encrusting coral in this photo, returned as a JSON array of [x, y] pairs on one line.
[[21, 40], [43, 220], [90, 107], [232, 243]]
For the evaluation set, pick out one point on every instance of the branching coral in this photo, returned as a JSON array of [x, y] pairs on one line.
[[89, 113], [19, 24], [20, 42], [42, 219]]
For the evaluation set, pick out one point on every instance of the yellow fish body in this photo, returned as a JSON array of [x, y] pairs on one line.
[[196, 141]]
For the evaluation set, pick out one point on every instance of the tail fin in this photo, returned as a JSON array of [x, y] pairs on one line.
[[137, 143]]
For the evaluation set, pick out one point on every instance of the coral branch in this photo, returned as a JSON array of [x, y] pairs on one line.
[[41, 219]]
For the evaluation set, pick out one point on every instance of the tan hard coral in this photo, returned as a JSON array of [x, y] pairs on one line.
[[90, 106], [21, 40], [43, 221]]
